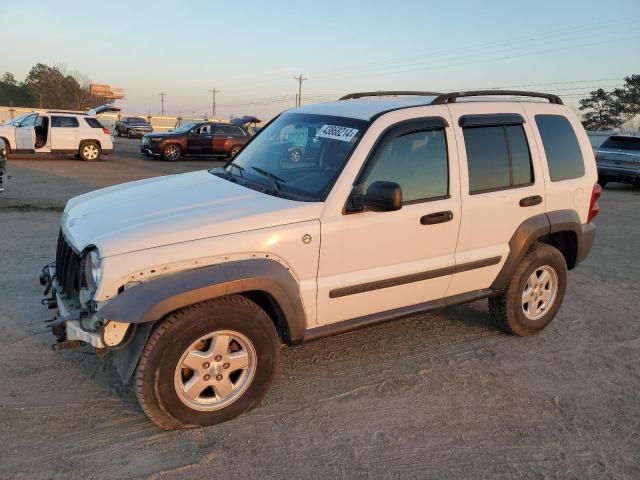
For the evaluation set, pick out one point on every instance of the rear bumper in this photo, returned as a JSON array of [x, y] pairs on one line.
[[619, 173], [585, 242]]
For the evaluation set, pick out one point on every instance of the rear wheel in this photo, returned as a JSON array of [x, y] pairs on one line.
[[89, 151], [171, 153], [602, 181], [535, 293], [207, 363], [6, 150]]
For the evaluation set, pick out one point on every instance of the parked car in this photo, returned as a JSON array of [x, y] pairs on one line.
[[3, 166], [618, 160], [132, 127], [196, 138], [58, 132], [192, 282]]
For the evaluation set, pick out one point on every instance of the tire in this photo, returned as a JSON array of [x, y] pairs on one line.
[[161, 376], [89, 151], [234, 151], [602, 181], [509, 309], [171, 153], [118, 132], [7, 147]]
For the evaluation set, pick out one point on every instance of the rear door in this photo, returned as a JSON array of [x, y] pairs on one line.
[[222, 139], [64, 130], [502, 186]]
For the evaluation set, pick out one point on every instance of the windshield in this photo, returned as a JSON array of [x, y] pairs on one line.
[[185, 127], [298, 156], [136, 120], [621, 143]]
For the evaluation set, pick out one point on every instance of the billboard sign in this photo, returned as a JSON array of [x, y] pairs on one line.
[[106, 91]]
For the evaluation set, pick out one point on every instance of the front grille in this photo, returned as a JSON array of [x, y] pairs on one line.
[[68, 265]]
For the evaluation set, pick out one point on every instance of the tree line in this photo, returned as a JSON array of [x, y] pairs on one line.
[[48, 87], [610, 110]]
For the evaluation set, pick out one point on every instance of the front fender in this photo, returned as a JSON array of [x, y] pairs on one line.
[[151, 301]]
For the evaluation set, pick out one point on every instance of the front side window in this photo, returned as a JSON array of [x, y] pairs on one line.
[[29, 121], [415, 160], [64, 122], [561, 147], [297, 156], [497, 157], [204, 129]]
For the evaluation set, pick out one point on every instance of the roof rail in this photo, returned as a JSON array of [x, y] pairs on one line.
[[453, 96], [384, 93]]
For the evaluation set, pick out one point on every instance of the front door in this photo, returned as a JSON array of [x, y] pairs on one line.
[[372, 262], [200, 140], [25, 135]]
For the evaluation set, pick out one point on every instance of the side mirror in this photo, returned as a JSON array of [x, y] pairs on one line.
[[381, 196]]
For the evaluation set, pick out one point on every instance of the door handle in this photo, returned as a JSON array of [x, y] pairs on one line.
[[439, 217], [531, 201]]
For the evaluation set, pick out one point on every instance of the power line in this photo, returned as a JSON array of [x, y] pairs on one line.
[[213, 102], [299, 79]]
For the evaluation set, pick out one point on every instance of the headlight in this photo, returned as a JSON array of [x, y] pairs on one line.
[[93, 272]]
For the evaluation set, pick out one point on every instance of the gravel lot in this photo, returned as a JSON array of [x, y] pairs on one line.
[[442, 395]]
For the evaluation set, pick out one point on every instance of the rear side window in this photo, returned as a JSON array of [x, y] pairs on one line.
[[417, 161], [498, 157], [561, 147], [93, 122], [64, 122], [621, 143]]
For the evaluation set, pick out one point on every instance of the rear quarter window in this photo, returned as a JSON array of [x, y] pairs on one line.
[[561, 147], [93, 122]]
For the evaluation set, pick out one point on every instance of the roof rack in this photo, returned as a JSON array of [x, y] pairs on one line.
[[453, 96], [385, 93]]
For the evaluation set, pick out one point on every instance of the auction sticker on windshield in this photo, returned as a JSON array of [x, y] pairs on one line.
[[336, 132]]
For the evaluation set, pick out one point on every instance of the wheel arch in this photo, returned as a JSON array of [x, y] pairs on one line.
[[267, 283], [86, 140], [561, 229]]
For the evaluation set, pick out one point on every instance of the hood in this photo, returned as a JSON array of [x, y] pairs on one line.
[[173, 209]]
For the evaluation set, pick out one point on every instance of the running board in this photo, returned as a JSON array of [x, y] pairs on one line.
[[397, 313]]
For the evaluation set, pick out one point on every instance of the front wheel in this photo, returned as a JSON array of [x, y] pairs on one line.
[[171, 153], [89, 152], [535, 293], [207, 363]]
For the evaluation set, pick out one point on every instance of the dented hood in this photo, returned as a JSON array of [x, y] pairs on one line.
[[173, 209]]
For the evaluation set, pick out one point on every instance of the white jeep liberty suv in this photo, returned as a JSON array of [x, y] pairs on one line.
[[400, 202]]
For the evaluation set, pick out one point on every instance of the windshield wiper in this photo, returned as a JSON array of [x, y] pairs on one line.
[[240, 169], [274, 178]]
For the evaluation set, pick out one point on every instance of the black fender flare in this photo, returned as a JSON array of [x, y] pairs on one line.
[[538, 227], [153, 300]]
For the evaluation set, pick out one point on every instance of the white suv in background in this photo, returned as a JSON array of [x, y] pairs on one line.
[[398, 206], [57, 132]]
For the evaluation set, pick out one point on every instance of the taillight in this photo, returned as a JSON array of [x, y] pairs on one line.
[[106, 131], [594, 208]]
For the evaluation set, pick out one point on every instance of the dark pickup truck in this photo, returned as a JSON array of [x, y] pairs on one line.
[[618, 160], [133, 127]]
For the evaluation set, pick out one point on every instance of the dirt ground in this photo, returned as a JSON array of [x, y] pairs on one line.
[[441, 396]]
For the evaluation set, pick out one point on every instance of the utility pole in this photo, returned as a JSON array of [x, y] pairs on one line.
[[213, 101], [162, 95], [300, 79]]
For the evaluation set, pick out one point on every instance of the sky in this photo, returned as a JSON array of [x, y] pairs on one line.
[[251, 50]]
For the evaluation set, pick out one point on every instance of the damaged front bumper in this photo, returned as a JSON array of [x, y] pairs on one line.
[[69, 323]]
